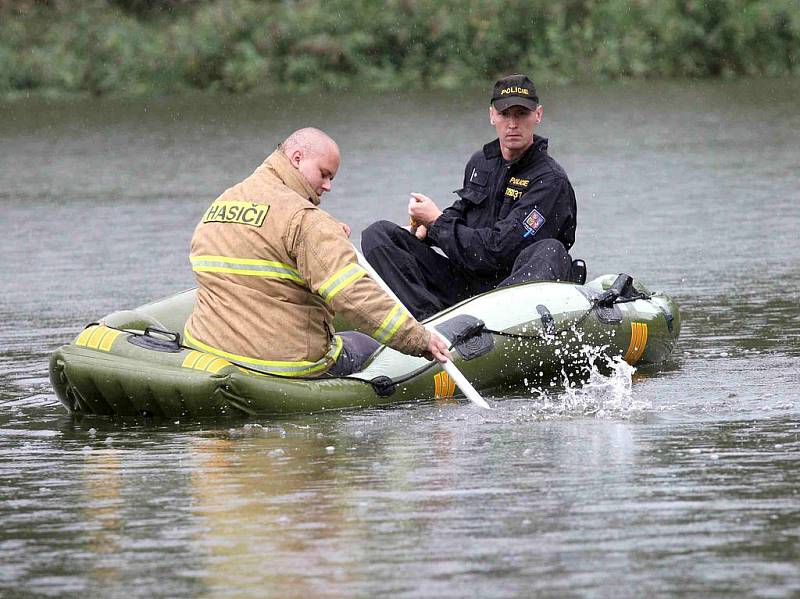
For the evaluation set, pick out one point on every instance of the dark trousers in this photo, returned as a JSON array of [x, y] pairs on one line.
[[427, 282]]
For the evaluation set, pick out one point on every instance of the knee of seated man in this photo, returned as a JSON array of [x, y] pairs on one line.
[[545, 247], [376, 235]]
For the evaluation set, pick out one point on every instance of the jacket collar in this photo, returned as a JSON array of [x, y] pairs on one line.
[[492, 150], [279, 164]]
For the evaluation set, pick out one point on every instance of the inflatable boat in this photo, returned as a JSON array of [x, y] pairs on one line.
[[133, 362]]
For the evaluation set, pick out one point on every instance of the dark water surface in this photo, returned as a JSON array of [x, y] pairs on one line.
[[680, 480]]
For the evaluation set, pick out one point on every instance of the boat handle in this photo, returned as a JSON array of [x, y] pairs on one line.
[[160, 333]]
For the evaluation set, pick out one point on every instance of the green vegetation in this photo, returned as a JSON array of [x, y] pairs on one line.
[[165, 46]]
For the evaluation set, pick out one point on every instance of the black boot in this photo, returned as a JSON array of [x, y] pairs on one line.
[[578, 274]]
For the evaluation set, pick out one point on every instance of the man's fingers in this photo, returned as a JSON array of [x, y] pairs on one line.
[[443, 355], [446, 350], [438, 347]]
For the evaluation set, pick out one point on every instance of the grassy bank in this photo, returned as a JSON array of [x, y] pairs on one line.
[[165, 46]]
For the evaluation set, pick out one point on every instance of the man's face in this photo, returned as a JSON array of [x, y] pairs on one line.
[[515, 126], [319, 169]]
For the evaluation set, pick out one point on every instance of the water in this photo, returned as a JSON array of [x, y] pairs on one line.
[[678, 480]]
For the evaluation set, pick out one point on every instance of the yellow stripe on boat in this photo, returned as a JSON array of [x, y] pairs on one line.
[[643, 341], [204, 361], [84, 336], [191, 358], [444, 387], [108, 339], [217, 365], [638, 342], [628, 357], [97, 337], [198, 360]]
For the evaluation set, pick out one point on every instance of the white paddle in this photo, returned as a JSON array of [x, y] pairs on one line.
[[451, 369]]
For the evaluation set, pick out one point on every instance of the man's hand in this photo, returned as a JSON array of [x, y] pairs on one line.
[[422, 209], [437, 348], [345, 228], [421, 232]]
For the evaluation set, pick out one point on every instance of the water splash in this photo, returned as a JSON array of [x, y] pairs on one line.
[[606, 391], [605, 395]]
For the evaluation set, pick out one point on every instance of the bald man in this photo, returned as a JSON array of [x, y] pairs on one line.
[[272, 270]]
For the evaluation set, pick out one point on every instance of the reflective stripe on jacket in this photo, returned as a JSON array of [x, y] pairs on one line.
[[273, 269]]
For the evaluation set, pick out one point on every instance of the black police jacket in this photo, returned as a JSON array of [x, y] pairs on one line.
[[504, 208]]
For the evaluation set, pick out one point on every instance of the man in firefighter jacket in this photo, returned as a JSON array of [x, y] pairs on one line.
[[272, 269], [514, 221]]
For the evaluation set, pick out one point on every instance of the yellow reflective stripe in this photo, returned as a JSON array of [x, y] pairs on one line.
[[396, 317], [340, 280], [250, 267], [393, 330], [279, 367]]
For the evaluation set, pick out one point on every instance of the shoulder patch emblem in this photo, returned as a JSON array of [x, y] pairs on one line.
[[240, 213], [533, 222]]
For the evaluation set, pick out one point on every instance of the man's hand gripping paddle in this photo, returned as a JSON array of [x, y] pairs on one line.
[[466, 387]]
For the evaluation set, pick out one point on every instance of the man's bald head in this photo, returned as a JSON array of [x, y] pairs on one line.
[[310, 140], [315, 155]]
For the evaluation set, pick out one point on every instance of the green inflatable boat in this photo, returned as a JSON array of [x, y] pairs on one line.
[[132, 362]]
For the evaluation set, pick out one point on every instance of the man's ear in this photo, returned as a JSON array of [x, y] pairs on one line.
[[539, 113], [295, 157], [491, 116]]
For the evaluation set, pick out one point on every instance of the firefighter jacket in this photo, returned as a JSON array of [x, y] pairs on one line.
[[272, 269], [505, 207]]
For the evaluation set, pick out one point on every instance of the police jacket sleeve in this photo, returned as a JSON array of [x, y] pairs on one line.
[[456, 211], [547, 210], [327, 262]]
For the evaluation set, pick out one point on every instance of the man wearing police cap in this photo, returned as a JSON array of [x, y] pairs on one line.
[[514, 221]]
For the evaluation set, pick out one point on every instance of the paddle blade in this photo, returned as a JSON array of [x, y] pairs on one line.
[[466, 388]]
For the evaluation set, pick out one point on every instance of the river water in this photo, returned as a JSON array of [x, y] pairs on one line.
[[678, 480]]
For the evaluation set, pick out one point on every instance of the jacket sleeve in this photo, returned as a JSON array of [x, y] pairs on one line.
[[457, 209], [546, 210], [327, 262]]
